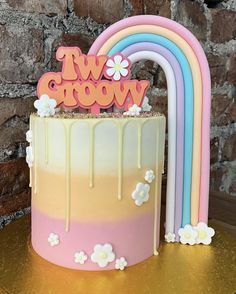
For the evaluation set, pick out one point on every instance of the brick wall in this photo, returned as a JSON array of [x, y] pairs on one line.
[[30, 32]]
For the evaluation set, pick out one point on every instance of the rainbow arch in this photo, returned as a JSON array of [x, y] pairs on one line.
[[149, 37]]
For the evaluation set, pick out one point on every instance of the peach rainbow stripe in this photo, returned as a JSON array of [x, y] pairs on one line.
[[108, 41]]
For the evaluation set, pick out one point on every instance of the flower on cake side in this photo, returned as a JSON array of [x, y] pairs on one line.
[[188, 235], [204, 234], [29, 136], [170, 237], [134, 110], [29, 156], [80, 257], [145, 105], [149, 176], [53, 239], [117, 67], [141, 194], [102, 254], [121, 263], [45, 106]]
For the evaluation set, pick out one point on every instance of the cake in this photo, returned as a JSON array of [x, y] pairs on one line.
[[96, 154]]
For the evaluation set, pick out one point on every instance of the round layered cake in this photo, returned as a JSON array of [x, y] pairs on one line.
[[96, 184]]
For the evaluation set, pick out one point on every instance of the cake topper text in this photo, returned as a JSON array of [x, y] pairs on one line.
[[92, 82]]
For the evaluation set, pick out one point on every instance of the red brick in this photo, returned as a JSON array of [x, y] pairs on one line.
[[214, 150], [218, 68], [51, 7], [156, 7], [220, 109], [231, 74], [14, 177], [223, 26], [191, 15], [21, 54], [102, 11], [12, 203], [229, 149]]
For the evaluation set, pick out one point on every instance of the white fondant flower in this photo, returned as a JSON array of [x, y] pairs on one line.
[[141, 194], [80, 257], [121, 263], [117, 67], [204, 233], [134, 110], [149, 176], [45, 106], [145, 105], [53, 239], [29, 156], [188, 235], [29, 136], [102, 254], [170, 237]]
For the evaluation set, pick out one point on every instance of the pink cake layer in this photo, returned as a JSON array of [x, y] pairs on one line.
[[132, 239]]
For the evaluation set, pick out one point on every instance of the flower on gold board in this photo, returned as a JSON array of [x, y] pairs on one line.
[[121, 263], [204, 234], [141, 194], [170, 237], [188, 235], [102, 254], [80, 257]]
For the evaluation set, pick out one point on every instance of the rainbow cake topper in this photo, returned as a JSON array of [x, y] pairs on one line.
[[81, 82], [101, 79], [189, 92]]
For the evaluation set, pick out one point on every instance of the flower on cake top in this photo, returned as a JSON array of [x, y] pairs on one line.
[[170, 237], [141, 194], [80, 257], [121, 263], [29, 136], [134, 110], [149, 176], [145, 105], [53, 239], [204, 233], [188, 235], [29, 156], [45, 106], [117, 67], [102, 254]]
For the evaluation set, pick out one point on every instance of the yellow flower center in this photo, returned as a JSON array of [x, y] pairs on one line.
[[141, 194], [117, 67], [187, 235], [103, 255], [201, 234]]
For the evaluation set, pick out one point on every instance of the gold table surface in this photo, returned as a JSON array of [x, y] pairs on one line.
[[177, 269]]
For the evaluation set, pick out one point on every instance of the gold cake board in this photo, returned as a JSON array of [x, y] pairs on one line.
[[178, 269]]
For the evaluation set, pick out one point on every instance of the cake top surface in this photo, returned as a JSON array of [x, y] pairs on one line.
[[103, 115]]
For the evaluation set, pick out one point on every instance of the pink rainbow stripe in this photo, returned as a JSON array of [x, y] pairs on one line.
[[205, 73]]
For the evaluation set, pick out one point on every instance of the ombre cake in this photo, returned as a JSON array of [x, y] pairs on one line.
[[92, 185], [96, 151]]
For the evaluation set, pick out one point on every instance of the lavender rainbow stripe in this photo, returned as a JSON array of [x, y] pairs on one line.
[[179, 117], [188, 114]]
